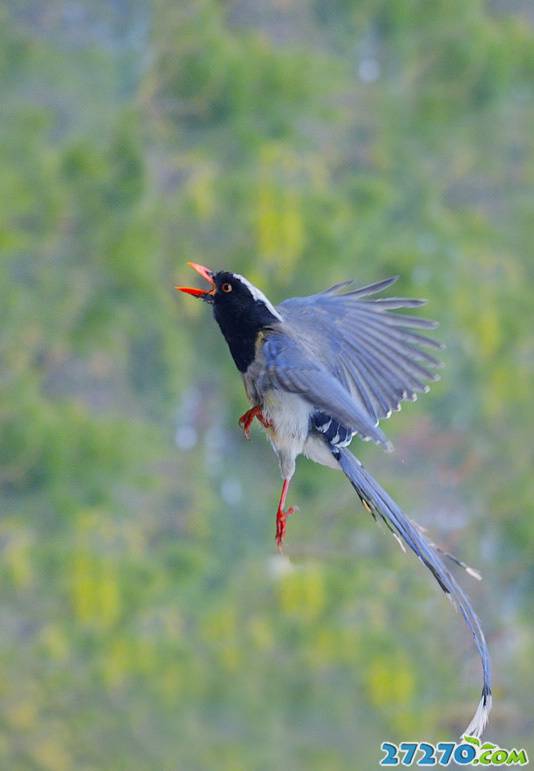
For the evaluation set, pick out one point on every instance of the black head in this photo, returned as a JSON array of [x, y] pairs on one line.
[[240, 309]]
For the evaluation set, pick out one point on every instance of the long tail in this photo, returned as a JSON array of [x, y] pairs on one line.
[[378, 502]]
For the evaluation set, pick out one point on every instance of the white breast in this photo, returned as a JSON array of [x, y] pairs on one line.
[[290, 418], [289, 414]]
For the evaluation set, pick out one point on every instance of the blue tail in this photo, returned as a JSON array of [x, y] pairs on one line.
[[379, 503]]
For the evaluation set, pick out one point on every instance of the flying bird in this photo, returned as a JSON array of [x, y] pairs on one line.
[[322, 369]]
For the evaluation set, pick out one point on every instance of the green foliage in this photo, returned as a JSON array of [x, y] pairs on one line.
[[146, 623]]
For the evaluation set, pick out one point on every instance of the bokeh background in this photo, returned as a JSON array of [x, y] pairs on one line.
[[145, 621]]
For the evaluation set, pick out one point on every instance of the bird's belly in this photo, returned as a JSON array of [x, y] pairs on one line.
[[289, 415]]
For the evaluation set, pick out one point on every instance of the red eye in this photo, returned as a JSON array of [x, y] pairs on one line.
[[226, 287]]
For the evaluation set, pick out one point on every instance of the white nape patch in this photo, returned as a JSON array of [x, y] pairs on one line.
[[257, 294]]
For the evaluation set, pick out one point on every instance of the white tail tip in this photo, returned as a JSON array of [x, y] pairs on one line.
[[474, 573], [480, 719]]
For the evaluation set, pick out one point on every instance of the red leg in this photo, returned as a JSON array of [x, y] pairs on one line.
[[246, 420], [263, 420], [281, 516]]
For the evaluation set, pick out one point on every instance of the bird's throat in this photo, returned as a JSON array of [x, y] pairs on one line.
[[242, 343], [241, 333]]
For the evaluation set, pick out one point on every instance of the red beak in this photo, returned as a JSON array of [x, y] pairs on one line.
[[205, 273]]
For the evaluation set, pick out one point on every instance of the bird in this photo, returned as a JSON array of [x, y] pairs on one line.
[[320, 370]]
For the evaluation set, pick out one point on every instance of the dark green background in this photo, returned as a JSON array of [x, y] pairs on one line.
[[145, 621]]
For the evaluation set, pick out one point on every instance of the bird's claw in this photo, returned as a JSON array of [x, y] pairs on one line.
[[246, 420], [281, 525]]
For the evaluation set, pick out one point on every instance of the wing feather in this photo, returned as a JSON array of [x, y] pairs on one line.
[[392, 319], [363, 291], [403, 383], [405, 351], [384, 385], [291, 367], [396, 357], [356, 385], [376, 354]]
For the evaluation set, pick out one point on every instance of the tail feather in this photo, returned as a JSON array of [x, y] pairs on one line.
[[473, 572], [380, 503]]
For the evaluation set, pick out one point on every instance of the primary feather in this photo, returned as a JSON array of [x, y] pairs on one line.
[[373, 352]]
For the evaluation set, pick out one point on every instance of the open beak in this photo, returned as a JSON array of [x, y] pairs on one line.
[[205, 273]]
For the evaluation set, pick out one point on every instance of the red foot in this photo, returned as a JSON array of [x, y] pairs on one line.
[[281, 525], [281, 516], [246, 420]]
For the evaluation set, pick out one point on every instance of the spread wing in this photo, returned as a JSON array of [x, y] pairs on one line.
[[290, 364], [378, 356]]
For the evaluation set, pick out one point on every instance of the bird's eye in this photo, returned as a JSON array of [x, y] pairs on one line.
[[226, 287]]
